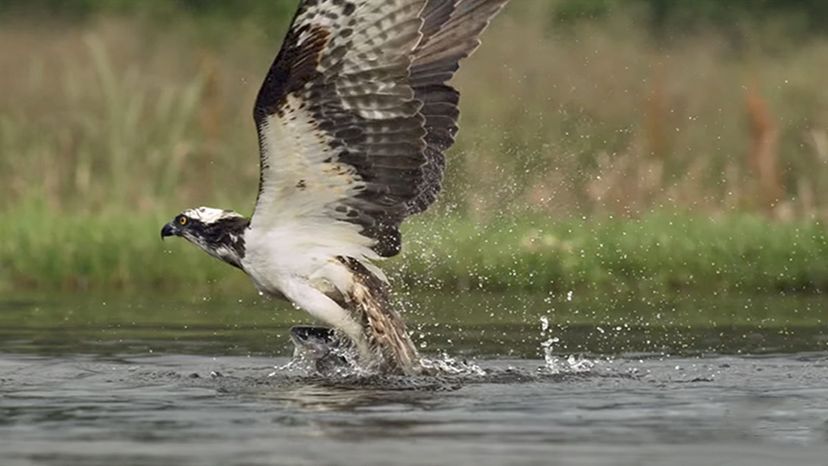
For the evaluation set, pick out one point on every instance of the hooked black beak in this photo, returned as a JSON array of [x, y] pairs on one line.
[[169, 230]]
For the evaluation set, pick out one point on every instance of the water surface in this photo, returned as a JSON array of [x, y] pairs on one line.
[[137, 380]]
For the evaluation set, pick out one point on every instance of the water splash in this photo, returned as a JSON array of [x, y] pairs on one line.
[[554, 364], [329, 361], [317, 356], [448, 365]]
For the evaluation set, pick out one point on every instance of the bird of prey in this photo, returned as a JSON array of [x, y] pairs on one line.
[[353, 118]]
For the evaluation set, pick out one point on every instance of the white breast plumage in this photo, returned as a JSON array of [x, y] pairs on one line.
[[353, 119]]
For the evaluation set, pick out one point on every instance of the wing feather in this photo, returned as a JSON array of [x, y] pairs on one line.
[[451, 33], [354, 115]]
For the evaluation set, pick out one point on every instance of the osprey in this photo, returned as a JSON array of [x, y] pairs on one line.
[[353, 119]]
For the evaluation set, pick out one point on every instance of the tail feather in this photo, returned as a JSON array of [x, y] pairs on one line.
[[385, 330]]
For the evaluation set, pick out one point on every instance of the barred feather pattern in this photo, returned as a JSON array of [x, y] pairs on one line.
[[367, 80], [354, 117], [451, 32], [341, 82], [387, 335]]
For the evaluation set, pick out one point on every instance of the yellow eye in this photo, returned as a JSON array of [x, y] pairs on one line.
[[182, 220]]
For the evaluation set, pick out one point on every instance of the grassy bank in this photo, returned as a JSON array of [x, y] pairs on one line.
[[42, 250], [118, 121]]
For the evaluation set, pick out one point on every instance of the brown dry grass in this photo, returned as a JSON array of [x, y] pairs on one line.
[[117, 114]]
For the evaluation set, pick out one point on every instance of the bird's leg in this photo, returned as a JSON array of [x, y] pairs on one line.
[[320, 306]]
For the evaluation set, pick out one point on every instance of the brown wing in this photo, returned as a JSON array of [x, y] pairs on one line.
[[354, 114], [451, 32]]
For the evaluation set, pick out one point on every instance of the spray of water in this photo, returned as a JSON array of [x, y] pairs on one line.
[[447, 365], [554, 364]]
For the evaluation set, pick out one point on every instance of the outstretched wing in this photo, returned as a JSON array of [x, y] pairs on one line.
[[354, 114], [451, 32]]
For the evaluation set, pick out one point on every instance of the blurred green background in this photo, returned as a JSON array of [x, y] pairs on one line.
[[605, 145]]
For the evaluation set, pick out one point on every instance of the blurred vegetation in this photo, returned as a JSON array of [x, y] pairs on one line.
[[680, 16], [266, 10], [580, 123], [658, 254], [809, 15]]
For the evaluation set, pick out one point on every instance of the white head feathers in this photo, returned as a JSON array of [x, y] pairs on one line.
[[208, 215]]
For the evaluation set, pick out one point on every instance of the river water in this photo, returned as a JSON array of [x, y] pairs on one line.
[[138, 381]]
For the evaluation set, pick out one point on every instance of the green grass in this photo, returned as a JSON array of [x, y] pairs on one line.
[[47, 250], [569, 142], [660, 252]]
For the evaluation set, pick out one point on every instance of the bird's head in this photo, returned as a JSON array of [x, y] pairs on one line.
[[218, 232]]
